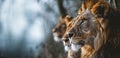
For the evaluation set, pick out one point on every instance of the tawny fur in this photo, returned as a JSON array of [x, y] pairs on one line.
[[105, 32]]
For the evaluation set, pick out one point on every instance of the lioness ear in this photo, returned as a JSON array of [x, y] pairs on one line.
[[67, 19], [100, 9], [80, 11]]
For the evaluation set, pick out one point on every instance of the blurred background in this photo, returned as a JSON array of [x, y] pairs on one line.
[[26, 27]]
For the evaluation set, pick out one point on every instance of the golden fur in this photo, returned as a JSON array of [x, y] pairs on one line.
[[60, 28], [72, 54], [92, 30], [86, 4]]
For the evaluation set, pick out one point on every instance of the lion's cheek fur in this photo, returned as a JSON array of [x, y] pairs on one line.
[[87, 51], [75, 48]]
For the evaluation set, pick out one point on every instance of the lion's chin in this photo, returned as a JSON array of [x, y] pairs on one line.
[[67, 48], [75, 47]]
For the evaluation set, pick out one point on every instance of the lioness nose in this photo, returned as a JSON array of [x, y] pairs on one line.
[[70, 34]]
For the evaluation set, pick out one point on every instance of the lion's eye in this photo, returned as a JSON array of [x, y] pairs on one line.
[[83, 21], [80, 23], [84, 26]]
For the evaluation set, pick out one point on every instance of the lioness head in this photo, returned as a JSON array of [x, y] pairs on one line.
[[80, 32], [87, 28], [60, 28]]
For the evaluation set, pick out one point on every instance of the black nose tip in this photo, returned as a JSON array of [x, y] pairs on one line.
[[70, 34]]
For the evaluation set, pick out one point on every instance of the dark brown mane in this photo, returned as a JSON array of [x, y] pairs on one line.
[[111, 48], [107, 46], [99, 34]]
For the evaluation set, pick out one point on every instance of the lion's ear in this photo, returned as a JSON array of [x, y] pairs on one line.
[[80, 11], [100, 9], [67, 19]]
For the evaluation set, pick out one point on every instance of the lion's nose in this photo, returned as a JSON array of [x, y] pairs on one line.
[[70, 34]]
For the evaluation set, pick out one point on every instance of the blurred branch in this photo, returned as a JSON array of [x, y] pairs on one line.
[[61, 8], [113, 3]]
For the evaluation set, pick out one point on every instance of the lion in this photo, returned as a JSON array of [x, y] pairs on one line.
[[60, 28], [80, 11], [73, 54], [65, 39], [95, 32]]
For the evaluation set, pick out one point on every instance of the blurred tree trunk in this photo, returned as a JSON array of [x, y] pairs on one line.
[[61, 8]]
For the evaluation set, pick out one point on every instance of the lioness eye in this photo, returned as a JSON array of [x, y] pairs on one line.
[[84, 24]]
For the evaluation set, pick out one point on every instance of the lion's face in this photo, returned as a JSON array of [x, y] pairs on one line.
[[60, 28], [81, 31], [87, 28], [65, 38]]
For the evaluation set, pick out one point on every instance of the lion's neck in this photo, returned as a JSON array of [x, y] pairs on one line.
[[86, 51], [72, 54]]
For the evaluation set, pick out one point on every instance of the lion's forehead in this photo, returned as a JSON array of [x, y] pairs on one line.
[[71, 25]]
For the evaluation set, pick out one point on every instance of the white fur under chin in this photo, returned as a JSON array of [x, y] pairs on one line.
[[56, 38], [75, 48], [66, 48]]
